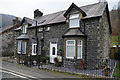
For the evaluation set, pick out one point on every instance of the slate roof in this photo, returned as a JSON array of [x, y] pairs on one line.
[[28, 20], [19, 28], [6, 28], [73, 32], [92, 10], [23, 37]]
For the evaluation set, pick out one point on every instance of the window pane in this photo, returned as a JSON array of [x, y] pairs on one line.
[[25, 29], [79, 42], [74, 16], [74, 23], [53, 50], [19, 47], [70, 51], [24, 47], [79, 52], [70, 42]]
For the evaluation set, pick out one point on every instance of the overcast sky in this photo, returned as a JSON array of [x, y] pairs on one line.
[[25, 8]]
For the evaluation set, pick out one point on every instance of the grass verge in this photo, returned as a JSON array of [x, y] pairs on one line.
[[116, 72]]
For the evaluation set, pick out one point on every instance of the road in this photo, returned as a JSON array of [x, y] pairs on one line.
[[11, 70]]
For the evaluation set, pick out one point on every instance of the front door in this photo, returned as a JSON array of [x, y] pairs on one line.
[[53, 51]]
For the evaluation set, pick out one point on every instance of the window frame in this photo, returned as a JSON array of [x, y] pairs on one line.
[[70, 45], [40, 29], [24, 47], [19, 46], [48, 29], [81, 49], [34, 47], [24, 29], [74, 17]]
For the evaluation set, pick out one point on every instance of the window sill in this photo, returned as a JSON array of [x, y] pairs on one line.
[[74, 28]]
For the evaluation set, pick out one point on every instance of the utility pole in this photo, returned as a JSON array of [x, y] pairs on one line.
[[36, 38]]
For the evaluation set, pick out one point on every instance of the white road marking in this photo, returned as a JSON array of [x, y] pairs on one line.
[[18, 73], [13, 74]]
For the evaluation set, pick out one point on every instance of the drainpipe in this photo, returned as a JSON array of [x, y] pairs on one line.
[[85, 44], [42, 41]]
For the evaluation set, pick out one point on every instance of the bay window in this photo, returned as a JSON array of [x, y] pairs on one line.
[[23, 47], [79, 49], [19, 47], [74, 50], [70, 49], [74, 20]]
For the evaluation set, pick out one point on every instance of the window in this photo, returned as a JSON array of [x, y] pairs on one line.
[[23, 47], [25, 29], [34, 48], [79, 49], [53, 51], [19, 47], [74, 21], [70, 49], [40, 29], [48, 29]]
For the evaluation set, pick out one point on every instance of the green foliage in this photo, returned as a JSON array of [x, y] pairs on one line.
[[117, 55], [56, 59], [116, 72], [114, 40]]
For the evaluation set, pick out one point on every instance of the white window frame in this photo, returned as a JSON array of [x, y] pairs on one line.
[[81, 49], [73, 17], [19, 47], [25, 29], [48, 29], [25, 47], [40, 29], [34, 48], [70, 45]]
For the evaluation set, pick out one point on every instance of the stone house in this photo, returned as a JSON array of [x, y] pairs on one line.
[[78, 34], [7, 38]]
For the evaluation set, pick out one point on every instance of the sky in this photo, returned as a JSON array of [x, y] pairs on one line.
[[25, 8]]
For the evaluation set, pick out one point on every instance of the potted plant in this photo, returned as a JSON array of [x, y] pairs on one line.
[[107, 70], [55, 60], [47, 59]]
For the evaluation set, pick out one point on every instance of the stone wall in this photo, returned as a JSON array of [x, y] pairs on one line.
[[7, 43], [105, 37], [92, 41], [55, 34]]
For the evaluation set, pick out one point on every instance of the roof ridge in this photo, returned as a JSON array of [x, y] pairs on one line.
[[65, 10], [89, 4]]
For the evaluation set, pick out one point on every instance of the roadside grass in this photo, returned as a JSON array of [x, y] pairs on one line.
[[116, 72]]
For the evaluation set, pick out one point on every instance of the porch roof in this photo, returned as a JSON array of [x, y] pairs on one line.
[[73, 32], [22, 37]]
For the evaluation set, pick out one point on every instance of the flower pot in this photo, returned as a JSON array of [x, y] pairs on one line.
[[106, 73]]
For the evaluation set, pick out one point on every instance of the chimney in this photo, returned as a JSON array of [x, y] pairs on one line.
[[16, 21], [37, 13], [102, 1]]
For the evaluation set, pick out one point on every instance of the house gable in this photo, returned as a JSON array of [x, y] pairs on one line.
[[73, 8]]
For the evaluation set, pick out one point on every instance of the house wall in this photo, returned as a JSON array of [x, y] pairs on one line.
[[105, 37], [7, 43], [55, 34]]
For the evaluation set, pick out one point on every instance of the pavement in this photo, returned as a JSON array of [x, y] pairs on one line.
[[91, 72]]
